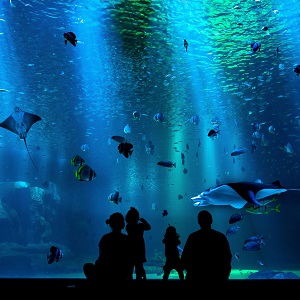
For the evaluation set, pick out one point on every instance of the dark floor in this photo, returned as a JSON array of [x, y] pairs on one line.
[[151, 288]]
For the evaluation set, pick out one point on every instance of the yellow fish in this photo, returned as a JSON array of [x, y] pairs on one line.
[[261, 210]]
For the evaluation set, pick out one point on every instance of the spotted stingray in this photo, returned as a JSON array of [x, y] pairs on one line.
[[239, 193]]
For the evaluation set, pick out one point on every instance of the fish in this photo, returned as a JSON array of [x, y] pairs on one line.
[[185, 45], [154, 206], [252, 246], [237, 256], [85, 173], [77, 160], [236, 218], [149, 148], [238, 151], [194, 119], [272, 129], [118, 138], [127, 129], [260, 262], [159, 117], [297, 70], [182, 157], [255, 47], [85, 147], [254, 238], [261, 210], [239, 193], [185, 171], [167, 164], [54, 254], [287, 148], [277, 52], [115, 197], [213, 134], [125, 149], [20, 123], [232, 230], [165, 213], [137, 115], [71, 38], [180, 197], [265, 28]]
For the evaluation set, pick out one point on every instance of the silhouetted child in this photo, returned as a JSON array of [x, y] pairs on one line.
[[173, 260], [135, 228]]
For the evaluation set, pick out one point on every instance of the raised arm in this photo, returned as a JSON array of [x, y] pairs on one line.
[[147, 226]]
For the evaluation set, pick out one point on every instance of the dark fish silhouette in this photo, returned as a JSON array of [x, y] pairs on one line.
[[297, 70], [118, 138], [255, 47], [85, 173], [77, 160], [54, 254], [20, 123], [213, 133], [236, 218], [125, 149], [167, 164], [71, 38], [185, 44]]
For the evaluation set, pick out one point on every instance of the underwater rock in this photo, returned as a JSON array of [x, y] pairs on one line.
[[21, 184]]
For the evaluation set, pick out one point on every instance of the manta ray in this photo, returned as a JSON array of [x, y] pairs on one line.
[[238, 194], [20, 123]]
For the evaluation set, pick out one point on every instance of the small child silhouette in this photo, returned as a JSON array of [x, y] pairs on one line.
[[135, 228], [173, 260]]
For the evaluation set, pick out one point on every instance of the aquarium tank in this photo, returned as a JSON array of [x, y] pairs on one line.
[[170, 107]]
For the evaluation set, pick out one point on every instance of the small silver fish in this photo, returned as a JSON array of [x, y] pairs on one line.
[[127, 129]]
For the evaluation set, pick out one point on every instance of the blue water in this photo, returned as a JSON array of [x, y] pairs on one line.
[[130, 57]]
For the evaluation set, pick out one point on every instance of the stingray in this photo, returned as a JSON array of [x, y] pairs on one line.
[[20, 123], [239, 193]]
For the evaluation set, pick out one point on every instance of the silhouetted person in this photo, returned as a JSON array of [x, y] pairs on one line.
[[135, 228], [112, 265], [173, 261], [206, 256]]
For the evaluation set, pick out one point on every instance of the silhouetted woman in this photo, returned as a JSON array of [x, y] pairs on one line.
[[112, 265]]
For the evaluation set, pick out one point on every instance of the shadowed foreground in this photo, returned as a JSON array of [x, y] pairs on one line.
[[147, 288]]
